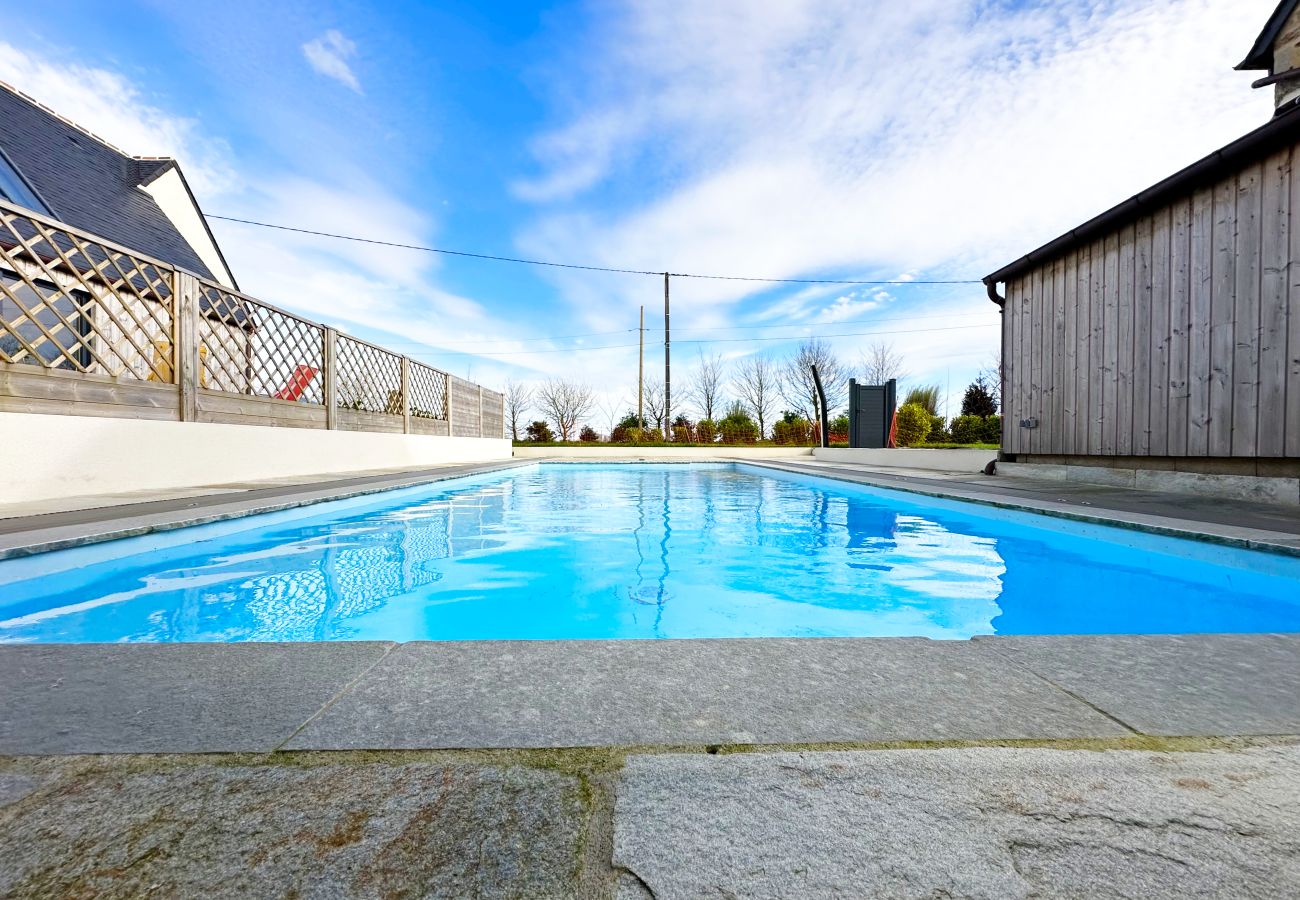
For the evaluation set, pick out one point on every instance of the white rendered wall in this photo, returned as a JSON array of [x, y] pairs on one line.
[[631, 451], [935, 459], [48, 457]]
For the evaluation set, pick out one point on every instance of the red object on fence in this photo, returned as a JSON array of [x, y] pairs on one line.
[[302, 376], [893, 431]]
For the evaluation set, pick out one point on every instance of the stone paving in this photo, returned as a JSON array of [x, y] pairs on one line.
[[985, 822], [219, 698]]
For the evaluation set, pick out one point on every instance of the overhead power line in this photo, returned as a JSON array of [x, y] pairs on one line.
[[693, 328], [749, 340], [587, 268]]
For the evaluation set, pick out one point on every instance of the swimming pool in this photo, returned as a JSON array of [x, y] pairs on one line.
[[641, 551]]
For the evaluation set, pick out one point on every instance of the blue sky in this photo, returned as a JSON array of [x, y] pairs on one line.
[[931, 140]]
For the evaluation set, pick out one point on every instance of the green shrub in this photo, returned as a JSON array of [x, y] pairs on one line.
[[683, 434], [706, 432], [650, 436], [540, 432], [968, 429], [793, 431], [926, 397], [939, 433], [588, 435], [978, 400], [991, 433], [913, 424], [736, 427]]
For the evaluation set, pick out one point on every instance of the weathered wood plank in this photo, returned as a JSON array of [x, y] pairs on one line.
[[189, 368], [1110, 344], [1292, 413], [359, 420], [1037, 305], [1160, 334], [233, 418], [1176, 386], [1223, 285], [1202, 293], [1056, 430], [1010, 368], [1082, 334], [1125, 313], [428, 426], [1246, 313], [226, 404], [1097, 348], [1069, 350], [63, 407], [1143, 288], [33, 383], [1275, 233]]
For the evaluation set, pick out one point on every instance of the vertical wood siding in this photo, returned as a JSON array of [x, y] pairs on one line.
[[1176, 335]]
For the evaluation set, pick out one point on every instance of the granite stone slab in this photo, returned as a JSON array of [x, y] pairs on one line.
[[144, 698], [1195, 684], [974, 823], [627, 693], [327, 831]]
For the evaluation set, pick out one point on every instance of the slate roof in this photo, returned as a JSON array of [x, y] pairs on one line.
[[89, 184]]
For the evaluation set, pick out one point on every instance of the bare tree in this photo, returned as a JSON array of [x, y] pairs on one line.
[[654, 402], [797, 386], [882, 362], [756, 385], [612, 410], [519, 397], [992, 375], [565, 403], [705, 388]]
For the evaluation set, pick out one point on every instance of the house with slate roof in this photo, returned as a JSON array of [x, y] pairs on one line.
[[53, 167]]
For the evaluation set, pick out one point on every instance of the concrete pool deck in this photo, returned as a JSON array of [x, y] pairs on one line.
[[1102, 765]]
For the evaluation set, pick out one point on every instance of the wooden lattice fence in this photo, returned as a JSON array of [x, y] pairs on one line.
[[88, 327]]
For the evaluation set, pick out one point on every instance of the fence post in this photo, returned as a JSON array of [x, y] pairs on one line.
[[185, 343], [406, 395], [331, 379], [451, 432]]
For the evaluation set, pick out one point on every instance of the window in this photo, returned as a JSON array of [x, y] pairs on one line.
[[46, 320], [14, 189]]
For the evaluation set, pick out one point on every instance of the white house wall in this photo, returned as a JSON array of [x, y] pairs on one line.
[[169, 192]]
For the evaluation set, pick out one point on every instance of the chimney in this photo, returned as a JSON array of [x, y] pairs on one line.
[[1277, 52]]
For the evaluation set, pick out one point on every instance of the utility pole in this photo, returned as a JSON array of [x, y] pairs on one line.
[[668, 369], [640, 373]]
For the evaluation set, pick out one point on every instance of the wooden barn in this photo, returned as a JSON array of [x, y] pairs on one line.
[[1164, 334]]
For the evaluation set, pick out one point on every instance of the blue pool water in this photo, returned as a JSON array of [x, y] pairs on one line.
[[641, 551]]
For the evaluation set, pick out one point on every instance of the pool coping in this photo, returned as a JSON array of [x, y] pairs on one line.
[[46, 532], [1243, 537], [815, 693], [53, 531]]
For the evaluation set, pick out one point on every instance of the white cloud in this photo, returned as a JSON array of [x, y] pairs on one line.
[[931, 136], [115, 109], [352, 285], [329, 55]]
